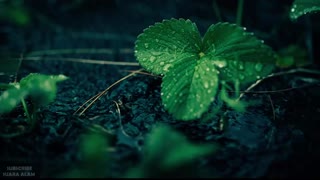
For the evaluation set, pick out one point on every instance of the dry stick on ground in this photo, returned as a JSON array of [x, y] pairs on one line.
[[292, 71], [274, 119], [106, 90], [79, 51], [273, 111], [120, 120], [18, 68], [79, 60]]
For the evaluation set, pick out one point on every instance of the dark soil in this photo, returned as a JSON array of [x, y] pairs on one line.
[[276, 138]]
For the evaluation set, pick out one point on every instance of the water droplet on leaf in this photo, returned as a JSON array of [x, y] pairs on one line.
[[152, 58], [259, 67]]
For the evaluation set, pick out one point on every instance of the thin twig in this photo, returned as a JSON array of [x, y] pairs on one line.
[[106, 90], [85, 104], [120, 119], [79, 60], [18, 68], [273, 111], [277, 91], [79, 51], [216, 10], [292, 71]]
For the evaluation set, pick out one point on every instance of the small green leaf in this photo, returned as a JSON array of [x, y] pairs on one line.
[[302, 7], [10, 98], [41, 88], [166, 43], [189, 88]]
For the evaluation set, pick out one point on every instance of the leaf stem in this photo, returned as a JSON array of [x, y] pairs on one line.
[[216, 10], [25, 108], [240, 12]]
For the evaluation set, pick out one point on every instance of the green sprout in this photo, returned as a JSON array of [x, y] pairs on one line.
[[192, 67], [41, 89]]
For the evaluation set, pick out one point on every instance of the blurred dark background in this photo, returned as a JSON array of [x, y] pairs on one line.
[[28, 25]]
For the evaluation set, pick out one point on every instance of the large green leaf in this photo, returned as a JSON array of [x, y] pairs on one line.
[[302, 7], [192, 67], [189, 88], [166, 43], [238, 55]]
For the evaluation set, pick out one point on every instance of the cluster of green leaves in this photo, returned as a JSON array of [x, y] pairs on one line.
[[193, 66], [166, 153], [40, 89], [94, 158]]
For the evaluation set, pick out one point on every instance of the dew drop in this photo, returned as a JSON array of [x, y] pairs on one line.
[[241, 77], [156, 53], [208, 69], [258, 77], [221, 64], [258, 67], [201, 105], [157, 40], [162, 63], [152, 58], [180, 94], [244, 28], [162, 94], [206, 85], [241, 65], [166, 67], [146, 45], [209, 91]]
